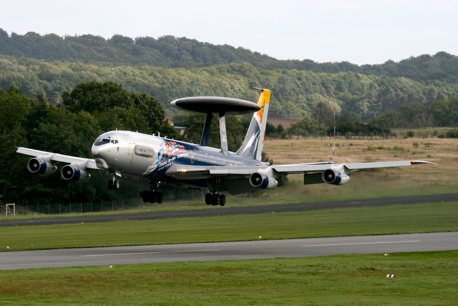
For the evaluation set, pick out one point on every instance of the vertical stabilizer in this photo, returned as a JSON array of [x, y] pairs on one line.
[[253, 143]]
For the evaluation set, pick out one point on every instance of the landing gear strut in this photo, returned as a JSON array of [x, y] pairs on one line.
[[152, 196], [215, 199], [113, 184]]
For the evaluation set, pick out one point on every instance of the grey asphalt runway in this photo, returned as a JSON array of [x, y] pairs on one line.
[[220, 211], [229, 250]]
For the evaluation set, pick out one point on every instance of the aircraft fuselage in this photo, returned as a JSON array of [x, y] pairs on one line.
[[148, 156]]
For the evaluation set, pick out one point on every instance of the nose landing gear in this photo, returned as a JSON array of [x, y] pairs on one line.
[[113, 184]]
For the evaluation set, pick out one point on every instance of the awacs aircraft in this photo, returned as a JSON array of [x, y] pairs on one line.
[[126, 154]]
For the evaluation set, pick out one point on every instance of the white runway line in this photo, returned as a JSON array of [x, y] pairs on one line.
[[152, 252], [359, 243]]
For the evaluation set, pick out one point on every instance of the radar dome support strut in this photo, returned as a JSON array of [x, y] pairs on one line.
[[220, 105], [222, 132], [207, 129]]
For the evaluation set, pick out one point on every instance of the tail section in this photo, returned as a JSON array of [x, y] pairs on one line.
[[253, 143]]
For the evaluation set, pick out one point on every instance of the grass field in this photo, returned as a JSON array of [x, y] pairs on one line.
[[332, 222], [420, 279]]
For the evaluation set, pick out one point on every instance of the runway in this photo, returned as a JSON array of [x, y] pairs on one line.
[[229, 250]]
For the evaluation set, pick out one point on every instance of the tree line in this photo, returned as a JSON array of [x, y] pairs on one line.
[[296, 93], [173, 52]]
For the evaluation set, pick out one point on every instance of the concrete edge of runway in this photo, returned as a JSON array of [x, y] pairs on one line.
[[241, 250]]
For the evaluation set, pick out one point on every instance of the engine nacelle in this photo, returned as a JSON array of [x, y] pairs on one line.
[[74, 173], [41, 166], [260, 180], [335, 177]]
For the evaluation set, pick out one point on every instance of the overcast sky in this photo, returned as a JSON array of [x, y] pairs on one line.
[[359, 31]]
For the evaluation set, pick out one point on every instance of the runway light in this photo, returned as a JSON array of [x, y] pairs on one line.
[[390, 275], [7, 247], [386, 254], [260, 237], [110, 266]]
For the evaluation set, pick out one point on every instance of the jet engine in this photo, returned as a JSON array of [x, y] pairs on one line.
[[262, 180], [74, 173], [335, 177], [41, 166]]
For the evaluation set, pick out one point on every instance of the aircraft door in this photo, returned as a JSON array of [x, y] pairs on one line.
[[143, 157]]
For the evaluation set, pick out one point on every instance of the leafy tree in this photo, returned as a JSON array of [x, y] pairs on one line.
[[96, 97], [412, 115], [445, 111], [348, 124], [306, 127]]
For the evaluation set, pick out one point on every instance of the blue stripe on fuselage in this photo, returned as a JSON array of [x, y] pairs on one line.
[[183, 153]]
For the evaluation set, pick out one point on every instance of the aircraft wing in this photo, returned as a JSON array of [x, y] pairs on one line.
[[49, 156], [188, 172], [201, 172], [302, 168]]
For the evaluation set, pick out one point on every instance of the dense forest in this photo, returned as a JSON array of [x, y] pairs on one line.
[[169, 68], [296, 93], [169, 51]]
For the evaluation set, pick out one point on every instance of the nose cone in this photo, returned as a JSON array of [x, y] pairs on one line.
[[95, 150]]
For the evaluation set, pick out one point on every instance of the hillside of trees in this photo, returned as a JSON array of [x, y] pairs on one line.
[[296, 93], [173, 52]]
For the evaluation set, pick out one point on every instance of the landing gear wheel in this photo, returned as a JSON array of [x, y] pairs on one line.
[[208, 199], [159, 197], [145, 196], [222, 200], [215, 199], [152, 196]]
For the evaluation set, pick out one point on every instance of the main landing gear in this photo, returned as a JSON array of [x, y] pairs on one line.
[[152, 196], [215, 199]]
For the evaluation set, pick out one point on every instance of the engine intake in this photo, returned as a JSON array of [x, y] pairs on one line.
[[259, 180], [74, 173], [335, 177], [41, 166]]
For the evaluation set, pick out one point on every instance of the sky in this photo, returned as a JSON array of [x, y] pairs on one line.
[[358, 31]]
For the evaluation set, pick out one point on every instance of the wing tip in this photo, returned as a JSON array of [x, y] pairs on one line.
[[421, 162]]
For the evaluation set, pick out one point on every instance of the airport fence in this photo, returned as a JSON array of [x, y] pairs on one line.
[[66, 208]]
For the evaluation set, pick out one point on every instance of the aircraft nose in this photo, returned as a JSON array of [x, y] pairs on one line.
[[95, 151]]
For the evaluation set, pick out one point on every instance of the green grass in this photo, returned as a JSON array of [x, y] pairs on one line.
[[420, 279], [332, 222], [371, 185]]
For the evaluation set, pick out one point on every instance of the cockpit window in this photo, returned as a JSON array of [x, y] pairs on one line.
[[102, 141]]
